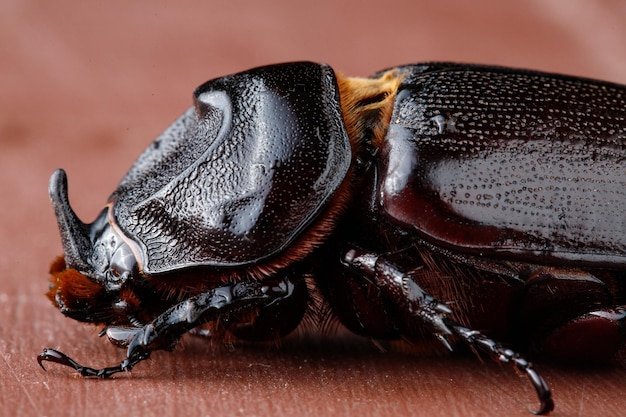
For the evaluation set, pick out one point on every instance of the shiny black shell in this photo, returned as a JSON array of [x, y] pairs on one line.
[[426, 191], [238, 176], [509, 164]]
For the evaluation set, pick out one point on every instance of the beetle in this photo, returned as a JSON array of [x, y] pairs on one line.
[[424, 202]]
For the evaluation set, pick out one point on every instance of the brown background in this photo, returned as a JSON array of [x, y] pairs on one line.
[[86, 85]]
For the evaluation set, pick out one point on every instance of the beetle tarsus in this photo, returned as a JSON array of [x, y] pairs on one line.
[[53, 355], [502, 354]]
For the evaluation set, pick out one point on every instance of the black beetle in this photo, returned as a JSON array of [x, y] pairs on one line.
[[428, 200]]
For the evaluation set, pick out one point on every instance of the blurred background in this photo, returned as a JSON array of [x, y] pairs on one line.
[[86, 85]]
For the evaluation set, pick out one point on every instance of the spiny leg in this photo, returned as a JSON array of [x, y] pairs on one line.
[[399, 287], [165, 331], [502, 354]]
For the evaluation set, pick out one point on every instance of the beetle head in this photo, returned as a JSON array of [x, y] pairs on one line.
[[88, 282]]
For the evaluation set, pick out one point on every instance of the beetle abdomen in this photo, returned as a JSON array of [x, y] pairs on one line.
[[497, 161]]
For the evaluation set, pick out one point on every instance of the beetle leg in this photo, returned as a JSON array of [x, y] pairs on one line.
[[502, 354], [399, 287], [394, 283], [165, 331]]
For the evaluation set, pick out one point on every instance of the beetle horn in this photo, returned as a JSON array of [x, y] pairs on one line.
[[77, 246]]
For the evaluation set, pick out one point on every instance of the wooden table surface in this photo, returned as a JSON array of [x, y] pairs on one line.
[[87, 85]]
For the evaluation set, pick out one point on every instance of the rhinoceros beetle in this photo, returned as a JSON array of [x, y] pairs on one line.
[[427, 201]]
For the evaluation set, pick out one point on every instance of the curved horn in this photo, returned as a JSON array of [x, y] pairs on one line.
[[74, 233]]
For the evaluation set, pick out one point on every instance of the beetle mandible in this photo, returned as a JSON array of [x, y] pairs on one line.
[[424, 202]]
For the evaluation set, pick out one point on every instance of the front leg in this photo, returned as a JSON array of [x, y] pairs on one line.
[[165, 331], [409, 297]]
